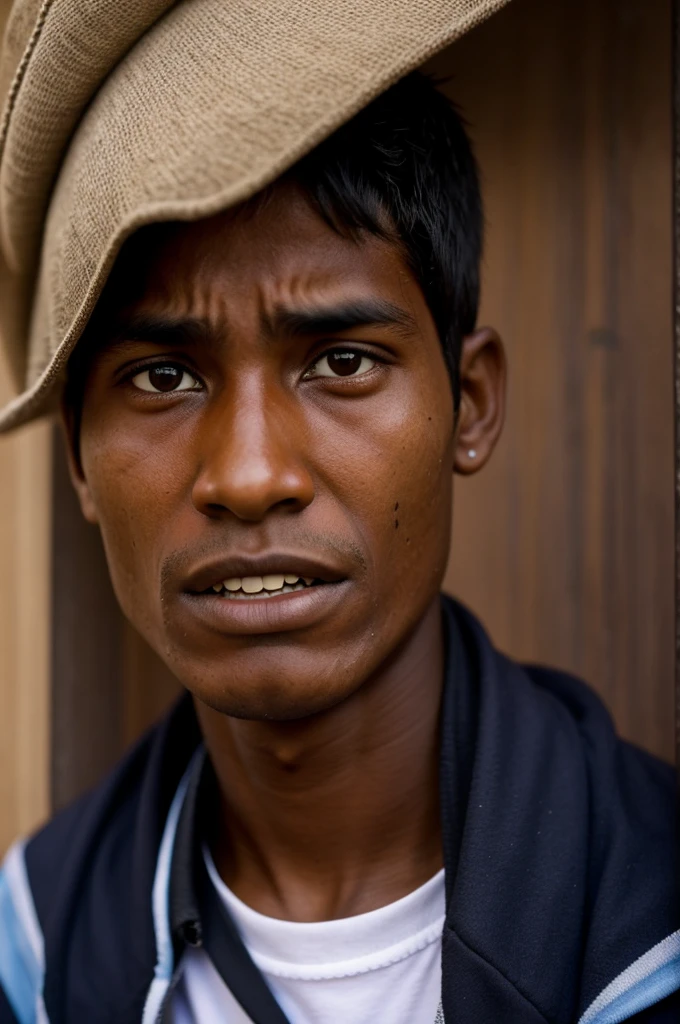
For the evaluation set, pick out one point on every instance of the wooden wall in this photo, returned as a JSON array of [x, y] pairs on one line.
[[564, 545], [24, 627]]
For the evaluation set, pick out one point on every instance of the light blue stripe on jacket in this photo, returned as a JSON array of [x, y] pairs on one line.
[[648, 980], [165, 957], [22, 953]]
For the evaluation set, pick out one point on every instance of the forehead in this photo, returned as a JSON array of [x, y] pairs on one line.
[[278, 247]]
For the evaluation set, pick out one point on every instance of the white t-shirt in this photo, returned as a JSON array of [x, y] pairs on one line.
[[380, 966]]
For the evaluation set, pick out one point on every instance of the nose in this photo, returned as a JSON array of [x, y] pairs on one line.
[[251, 457]]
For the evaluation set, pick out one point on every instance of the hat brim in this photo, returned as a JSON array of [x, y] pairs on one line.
[[212, 102]]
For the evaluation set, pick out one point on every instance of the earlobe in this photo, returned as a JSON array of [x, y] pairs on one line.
[[75, 469], [482, 399], [87, 505]]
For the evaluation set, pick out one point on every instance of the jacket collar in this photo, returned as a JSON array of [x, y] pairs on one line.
[[560, 847], [541, 843]]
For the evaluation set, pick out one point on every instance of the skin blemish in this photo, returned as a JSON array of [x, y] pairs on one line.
[[396, 524], [396, 507]]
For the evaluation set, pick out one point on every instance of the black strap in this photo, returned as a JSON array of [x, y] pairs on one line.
[[198, 916], [231, 959]]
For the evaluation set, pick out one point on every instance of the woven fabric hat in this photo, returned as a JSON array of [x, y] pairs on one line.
[[120, 113]]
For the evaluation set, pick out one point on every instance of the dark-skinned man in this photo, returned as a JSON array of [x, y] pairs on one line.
[[360, 811]]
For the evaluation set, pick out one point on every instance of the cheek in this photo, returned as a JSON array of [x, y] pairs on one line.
[[393, 466], [135, 486], [416, 545]]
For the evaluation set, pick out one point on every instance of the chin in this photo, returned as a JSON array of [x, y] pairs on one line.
[[269, 696], [268, 706]]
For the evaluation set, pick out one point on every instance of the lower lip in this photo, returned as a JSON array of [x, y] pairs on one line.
[[299, 610]]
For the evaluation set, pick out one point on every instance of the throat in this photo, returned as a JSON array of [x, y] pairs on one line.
[[282, 888], [315, 837], [338, 813]]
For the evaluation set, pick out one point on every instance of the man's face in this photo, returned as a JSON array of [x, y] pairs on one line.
[[268, 399]]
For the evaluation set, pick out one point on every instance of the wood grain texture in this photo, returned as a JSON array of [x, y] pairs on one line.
[[24, 628], [564, 543]]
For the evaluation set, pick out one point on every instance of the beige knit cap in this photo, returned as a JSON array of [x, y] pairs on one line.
[[119, 113]]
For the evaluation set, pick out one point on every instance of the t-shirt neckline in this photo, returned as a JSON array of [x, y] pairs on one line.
[[342, 947]]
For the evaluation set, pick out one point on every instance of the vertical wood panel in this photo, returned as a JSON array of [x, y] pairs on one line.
[[24, 628], [564, 544]]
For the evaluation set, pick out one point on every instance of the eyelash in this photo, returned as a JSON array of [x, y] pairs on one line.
[[157, 364], [148, 367], [356, 350]]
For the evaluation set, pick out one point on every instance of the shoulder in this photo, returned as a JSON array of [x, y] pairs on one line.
[[646, 786], [632, 797], [540, 700], [590, 852], [93, 862], [127, 805], [633, 881]]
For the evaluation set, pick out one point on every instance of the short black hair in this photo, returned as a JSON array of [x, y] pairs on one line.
[[404, 165]]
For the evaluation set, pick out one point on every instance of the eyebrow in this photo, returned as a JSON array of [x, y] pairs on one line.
[[156, 329], [338, 317], [304, 322]]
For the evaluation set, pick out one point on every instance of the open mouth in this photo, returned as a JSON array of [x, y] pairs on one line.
[[242, 605], [249, 588]]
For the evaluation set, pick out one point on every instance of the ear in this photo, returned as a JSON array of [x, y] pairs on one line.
[[71, 427], [482, 399]]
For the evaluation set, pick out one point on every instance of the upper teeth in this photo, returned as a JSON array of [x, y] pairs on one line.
[[255, 584]]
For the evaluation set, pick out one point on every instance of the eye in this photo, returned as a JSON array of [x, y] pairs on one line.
[[342, 362], [165, 378]]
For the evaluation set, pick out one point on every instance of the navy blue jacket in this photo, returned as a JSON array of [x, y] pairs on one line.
[[560, 849]]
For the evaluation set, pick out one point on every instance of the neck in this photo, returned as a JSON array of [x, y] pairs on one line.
[[336, 814]]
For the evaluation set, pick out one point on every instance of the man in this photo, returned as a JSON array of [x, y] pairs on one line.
[[360, 811]]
